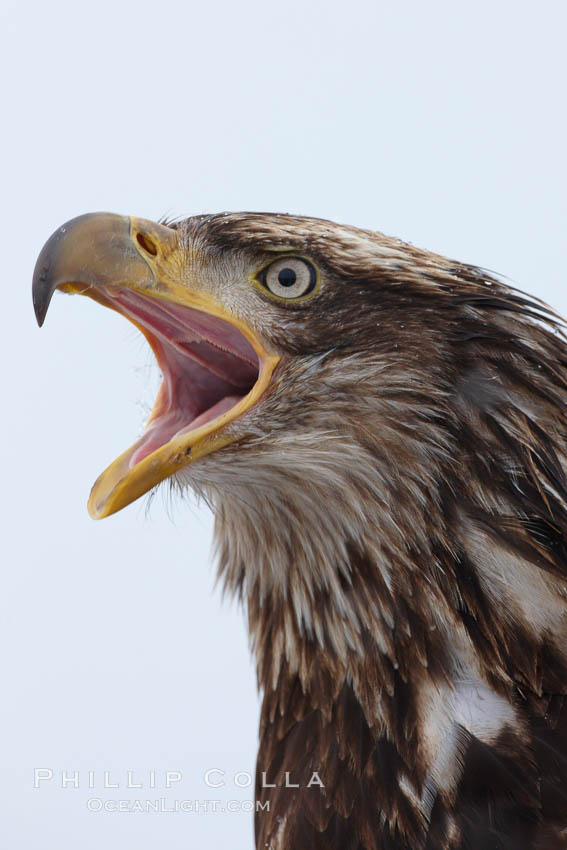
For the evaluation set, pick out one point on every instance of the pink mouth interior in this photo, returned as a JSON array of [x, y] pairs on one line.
[[208, 366]]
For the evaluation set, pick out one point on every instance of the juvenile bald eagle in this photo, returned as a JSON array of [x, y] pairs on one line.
[[381, 433]]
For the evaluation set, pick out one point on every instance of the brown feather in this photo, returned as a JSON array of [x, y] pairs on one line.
[[394, 517]]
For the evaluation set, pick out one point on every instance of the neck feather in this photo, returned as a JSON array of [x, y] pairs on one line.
[[402, 561]]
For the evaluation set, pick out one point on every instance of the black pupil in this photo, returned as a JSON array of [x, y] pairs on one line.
[[287, 277]]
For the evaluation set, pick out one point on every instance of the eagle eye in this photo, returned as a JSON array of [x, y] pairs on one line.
[[289, 277]]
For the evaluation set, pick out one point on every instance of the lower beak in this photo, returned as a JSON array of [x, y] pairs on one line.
[[138, 268]]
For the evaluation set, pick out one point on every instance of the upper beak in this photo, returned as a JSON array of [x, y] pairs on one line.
[[96, 250], [97, 255]]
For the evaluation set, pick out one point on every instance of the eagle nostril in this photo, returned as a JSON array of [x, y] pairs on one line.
[[147, 244]]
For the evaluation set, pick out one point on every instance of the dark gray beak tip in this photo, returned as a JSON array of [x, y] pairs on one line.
[[47, 272], [44, 281], [41, 293]]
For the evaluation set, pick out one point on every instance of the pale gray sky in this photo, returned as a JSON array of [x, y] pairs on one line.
[[438, 122]]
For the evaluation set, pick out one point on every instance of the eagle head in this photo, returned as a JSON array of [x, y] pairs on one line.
[[381, 434]]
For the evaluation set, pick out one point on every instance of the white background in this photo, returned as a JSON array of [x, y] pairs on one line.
[[441, 123]]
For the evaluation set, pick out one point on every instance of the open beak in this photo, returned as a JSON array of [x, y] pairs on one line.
[[214, 366]]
